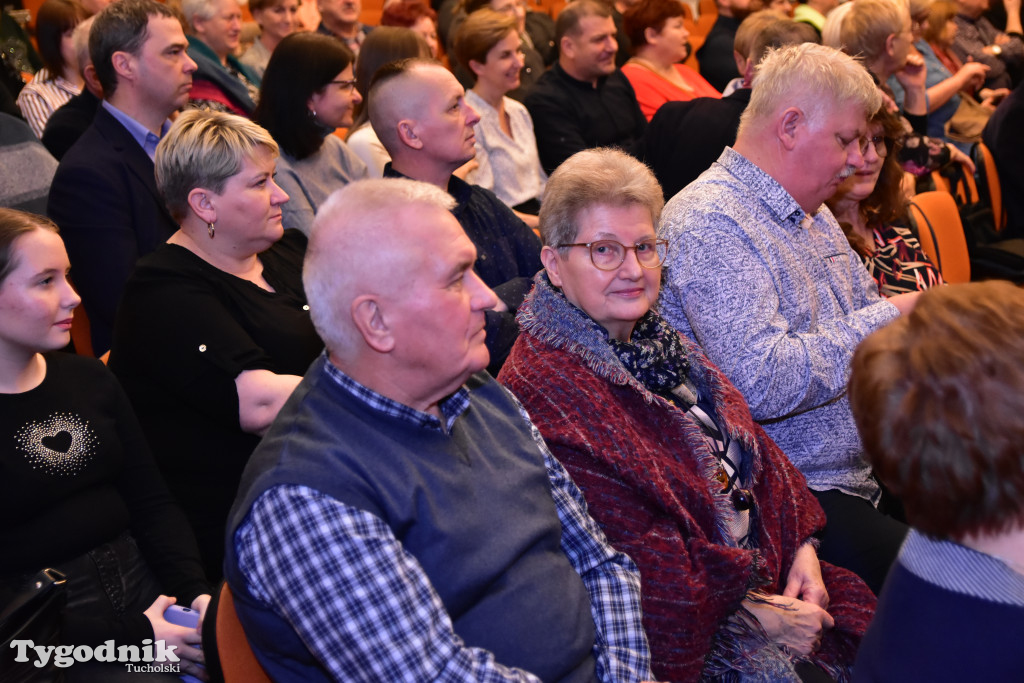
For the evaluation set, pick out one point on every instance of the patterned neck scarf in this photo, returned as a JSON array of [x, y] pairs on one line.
[[654, 355]]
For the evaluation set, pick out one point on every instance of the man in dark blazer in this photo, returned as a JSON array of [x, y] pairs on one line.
[[104, 195]]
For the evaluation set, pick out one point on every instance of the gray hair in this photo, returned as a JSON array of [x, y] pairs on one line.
[[353, 230], [201, 9], [80, 44], [813, 77], [204, 149], [593, 177]]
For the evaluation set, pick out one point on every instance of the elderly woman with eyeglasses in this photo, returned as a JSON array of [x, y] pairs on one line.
[[665, 451]]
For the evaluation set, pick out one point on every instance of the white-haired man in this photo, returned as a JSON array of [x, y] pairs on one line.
[[761, 275], [402, 518]]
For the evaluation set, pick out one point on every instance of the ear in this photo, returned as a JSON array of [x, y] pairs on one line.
[[789, 125], [741, 63], [92, 81], [199, 26], [312, 101], [567, 47], [124, 65], [407, 134], [368, 318], [889, 44], [550, 258], [202, 207], [476, 67], [650, 35]]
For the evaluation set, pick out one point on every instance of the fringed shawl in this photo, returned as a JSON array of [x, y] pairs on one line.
[[645, 469]]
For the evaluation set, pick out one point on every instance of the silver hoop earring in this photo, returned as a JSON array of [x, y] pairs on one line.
[[210, 228]]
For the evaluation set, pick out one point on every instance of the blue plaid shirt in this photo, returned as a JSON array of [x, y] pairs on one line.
[[384, 620]]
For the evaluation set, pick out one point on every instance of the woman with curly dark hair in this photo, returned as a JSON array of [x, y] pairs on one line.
[[872, 209]]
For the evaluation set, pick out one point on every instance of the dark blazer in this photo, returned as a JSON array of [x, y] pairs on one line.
[[685, 138], [69, 122], [104, 199]]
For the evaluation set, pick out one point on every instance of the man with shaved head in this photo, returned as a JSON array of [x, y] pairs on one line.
[[403, 518], [419, 112]]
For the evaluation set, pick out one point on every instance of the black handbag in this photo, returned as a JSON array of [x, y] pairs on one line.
[[31, 610]]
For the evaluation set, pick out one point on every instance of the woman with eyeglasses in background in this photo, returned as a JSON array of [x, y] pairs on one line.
[[308, 92], [672, 465], [872, 209]]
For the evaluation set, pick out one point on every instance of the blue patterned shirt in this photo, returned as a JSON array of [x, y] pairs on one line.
[[384, 620], [779, 301]]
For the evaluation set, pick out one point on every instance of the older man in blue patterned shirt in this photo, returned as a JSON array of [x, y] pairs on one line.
[[762, 277], [402, 519]]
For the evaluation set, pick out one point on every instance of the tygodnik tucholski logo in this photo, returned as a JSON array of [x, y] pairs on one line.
[[151, 657]]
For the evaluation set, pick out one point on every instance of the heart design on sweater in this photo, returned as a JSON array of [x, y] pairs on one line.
[[60, 442]]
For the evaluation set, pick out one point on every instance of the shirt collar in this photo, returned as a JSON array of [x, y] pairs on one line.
[[451, 407], [769, 191], [142, 135], [945, 563]]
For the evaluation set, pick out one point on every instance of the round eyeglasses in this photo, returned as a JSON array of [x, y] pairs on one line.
[[609, 254]]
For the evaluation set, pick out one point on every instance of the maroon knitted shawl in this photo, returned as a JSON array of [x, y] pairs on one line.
[[644, 467]]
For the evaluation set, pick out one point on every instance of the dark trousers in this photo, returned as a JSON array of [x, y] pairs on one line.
[[859, 537]]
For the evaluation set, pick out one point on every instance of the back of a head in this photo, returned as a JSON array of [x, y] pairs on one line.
[[80, 44], [300, 65], [600, 176], [406, 13], [568, 22], [779, 34], [868, 25], [121, 27], [939, 13], [937, 397], [354, 239], [751, 27], [834, 24], [815, 78], [204, 149]]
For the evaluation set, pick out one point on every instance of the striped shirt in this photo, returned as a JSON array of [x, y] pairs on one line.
[[43, 96]]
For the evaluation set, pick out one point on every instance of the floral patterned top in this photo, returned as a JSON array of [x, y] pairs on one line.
[[898, 264]]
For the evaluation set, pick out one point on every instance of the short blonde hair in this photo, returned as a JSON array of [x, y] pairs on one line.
[[869, 24], [595, 177], [204, 149], [813, 77]]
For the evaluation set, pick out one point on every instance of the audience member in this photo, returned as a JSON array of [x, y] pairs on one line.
[[488, 45], [764, 280], [213, 332], [340, 19], [419, 111], [660, 43], [80, 492], [59, 80], [104, 196], [666, 452], [276, 19], [878, 33], [416, 15], [534, 63], [221, 82], [1004, 136], [1001, 51], [466, 554], [954, 87], [386, 44], [749, 30], [28, 167], [937, 399], [813, 12], [685, 138], [584, 101], [715, 56], [72, 119], [307, 93], [872, 210]]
